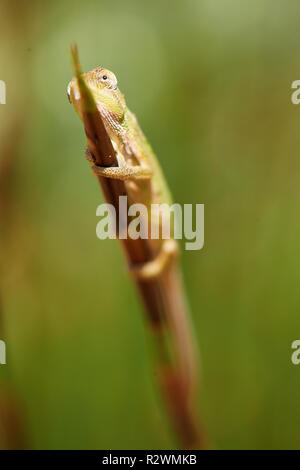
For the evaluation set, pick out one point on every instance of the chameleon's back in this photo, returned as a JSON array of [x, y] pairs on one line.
[[161, 191]]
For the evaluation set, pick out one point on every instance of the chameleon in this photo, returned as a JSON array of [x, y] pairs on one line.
[[138, 166], [139, 169]]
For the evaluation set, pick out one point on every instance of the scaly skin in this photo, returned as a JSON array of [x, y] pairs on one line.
[[138, 165]]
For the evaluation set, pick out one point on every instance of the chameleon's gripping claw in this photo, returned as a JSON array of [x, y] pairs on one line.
[[122, 172], [152, 269]]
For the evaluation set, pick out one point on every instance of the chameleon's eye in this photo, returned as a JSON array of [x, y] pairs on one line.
[[108, 79]]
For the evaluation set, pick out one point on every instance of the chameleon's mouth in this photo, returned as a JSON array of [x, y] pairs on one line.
[[69, 92], [73, 91]]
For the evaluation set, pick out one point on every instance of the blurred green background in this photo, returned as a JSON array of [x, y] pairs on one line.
[[210, 82]]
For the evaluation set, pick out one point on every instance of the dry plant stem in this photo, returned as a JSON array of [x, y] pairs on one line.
[[17, 21], [162, 296], [12, 420], [12, 435]]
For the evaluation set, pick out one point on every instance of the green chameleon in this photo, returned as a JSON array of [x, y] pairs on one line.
[[138, 165], [145, 184]]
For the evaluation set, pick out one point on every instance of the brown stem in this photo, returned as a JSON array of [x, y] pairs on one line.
[[162, 297], [12, 421]]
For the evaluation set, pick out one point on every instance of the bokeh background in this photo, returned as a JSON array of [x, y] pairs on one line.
[[210, 82]]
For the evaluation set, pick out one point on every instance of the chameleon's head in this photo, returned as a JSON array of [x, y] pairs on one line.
[[104, 87], [101, 79]]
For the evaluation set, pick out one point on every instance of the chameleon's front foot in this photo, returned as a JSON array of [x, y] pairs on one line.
[[122, 172], [152, 269]]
